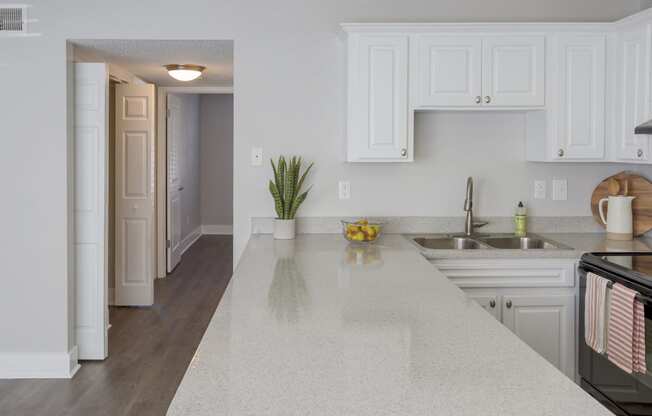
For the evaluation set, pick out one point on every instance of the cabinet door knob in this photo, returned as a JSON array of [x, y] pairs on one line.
[[492, 303], [560, 152], [403, 152], [508, 304], [487, 99], [639, 153], [478, 99]]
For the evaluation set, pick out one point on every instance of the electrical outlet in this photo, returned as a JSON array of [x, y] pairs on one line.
[[344, 189], [539, 189], [256, 156], [559, 190]]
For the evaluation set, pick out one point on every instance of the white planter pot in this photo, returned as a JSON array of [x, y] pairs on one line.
[[284, 229]]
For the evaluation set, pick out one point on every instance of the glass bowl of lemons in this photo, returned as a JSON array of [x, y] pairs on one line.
[[361, 231]]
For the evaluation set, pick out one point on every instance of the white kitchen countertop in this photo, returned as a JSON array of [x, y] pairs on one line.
[[307, 328]]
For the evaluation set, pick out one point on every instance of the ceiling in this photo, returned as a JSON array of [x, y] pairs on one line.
[[145, 58]]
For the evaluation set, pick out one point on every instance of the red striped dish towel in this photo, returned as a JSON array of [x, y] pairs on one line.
[[595, 312], [626, 343]]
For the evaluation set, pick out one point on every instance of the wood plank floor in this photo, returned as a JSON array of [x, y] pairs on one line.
[[149, 348]]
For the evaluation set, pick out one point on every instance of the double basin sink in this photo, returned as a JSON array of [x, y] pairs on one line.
[[488, 242]]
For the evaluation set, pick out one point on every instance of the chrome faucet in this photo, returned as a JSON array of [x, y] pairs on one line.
[[468, 209]]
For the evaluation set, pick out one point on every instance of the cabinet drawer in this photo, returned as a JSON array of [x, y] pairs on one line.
[[508, 273]]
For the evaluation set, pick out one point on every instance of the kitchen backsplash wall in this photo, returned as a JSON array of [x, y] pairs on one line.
[[450, 146]]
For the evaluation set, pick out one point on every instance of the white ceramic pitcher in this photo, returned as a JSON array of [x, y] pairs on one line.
[[619, 217]]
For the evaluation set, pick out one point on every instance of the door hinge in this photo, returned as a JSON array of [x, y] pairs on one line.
[[168, 243], [167, 113]]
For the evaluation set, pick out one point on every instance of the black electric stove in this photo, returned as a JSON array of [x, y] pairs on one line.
[[624, 394]]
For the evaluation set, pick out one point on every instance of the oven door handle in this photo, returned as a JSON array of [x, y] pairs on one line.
[[612, 279]]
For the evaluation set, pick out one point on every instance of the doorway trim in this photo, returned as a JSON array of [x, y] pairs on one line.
[[162, 166]]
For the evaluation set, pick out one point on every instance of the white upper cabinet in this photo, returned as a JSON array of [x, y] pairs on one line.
[[633, 93], [580, 92], [378, 98], [513, 71], [583, 87], [479, 71], [449, 71]]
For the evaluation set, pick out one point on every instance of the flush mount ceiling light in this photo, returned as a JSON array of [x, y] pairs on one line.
[[185, 72]]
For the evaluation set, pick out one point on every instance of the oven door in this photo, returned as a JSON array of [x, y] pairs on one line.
[[624, 394]]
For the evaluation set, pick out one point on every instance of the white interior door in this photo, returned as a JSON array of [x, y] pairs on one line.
[[135, 195], [90, 198], [174, 187]]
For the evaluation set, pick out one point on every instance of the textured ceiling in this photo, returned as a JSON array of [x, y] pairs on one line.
[[145, 58]]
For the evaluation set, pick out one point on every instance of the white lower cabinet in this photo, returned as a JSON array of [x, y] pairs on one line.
[[545, 323], [490, 303], [534, 298]]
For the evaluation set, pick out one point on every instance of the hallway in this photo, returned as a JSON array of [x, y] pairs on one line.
[[149, 348]]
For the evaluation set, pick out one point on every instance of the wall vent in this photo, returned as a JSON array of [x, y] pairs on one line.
[[13, 19]]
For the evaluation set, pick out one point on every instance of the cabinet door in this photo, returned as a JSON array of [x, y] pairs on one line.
[[513, 71], [546, 324], [633, 91], [581, 97], [490, 303], [449, 71], [378, 89]]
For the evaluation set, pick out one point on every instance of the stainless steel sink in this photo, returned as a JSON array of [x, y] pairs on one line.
[[522, 243], [487, 242], [450, 243]]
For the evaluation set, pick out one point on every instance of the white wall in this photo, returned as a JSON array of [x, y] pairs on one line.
[[289, 97], [189, 163], [216, 131]]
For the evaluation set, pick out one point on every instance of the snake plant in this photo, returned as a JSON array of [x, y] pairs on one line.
[[286, 186]]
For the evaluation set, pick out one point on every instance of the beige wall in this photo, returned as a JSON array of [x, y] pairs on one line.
[[216, 131]]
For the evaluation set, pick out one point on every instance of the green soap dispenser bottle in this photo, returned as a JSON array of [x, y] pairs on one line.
[[520, 220]]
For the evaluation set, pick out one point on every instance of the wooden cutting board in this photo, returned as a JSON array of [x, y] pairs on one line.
[[639, 187]]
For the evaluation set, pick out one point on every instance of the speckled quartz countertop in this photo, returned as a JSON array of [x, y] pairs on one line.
[[576, 243], [317, 327]]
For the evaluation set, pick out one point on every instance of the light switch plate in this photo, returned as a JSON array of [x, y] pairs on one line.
[[344, 189], [559, 190], [256, 156], [539, 189]]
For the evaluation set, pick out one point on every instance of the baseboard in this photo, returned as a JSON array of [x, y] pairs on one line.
[[190, 239], [39, 365], [217, 229]]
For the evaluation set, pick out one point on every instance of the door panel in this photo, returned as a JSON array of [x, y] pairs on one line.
[[449, 69], [89, 209], [634, 70], [513, 71], [378, 119], [174, 187], [544, 323], [582, 68], [135, 195]]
